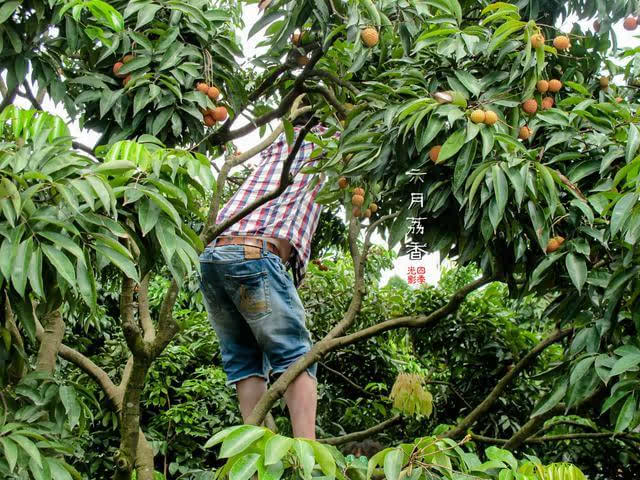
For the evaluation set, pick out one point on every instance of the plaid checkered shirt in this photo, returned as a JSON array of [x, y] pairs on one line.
[[293, 215]]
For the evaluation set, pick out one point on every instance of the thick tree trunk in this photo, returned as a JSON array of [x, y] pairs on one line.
[[50, 342], [127, 456]]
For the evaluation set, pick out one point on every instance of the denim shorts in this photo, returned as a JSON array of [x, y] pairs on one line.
[[255, 310]]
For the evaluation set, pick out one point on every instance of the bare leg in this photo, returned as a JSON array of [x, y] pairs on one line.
[[302, 399], [249, 392]]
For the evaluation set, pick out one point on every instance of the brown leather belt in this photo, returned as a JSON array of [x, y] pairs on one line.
[[250, 241]]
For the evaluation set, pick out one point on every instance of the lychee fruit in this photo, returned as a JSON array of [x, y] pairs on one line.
[[343, 182], [209, 121], [373, 207], [357, 200], [554, 244], [477, 116], [530, 106], [219, 114], [126, 80], [202, 87], [213, 93], [295, 39], [542, 86], [604, 82], [358, 191], [302, 60], [367, 213], [537, 41], [630, 23], [525, 133], [369, 36], [356, 212], [490, 117], [555, 85], [547, 103], [128, 58], [116, 68], [434, 153], [619, 99], [561, 42]]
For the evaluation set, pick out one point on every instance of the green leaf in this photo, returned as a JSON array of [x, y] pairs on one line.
[[71, 404], [29, 447], [393, 463], [58, 471], [61, 263], [239, 440], [220, 436], [580, 369], [453, 145], [7, 10], [325, 459], [65, 242], [627, 412], [621, 211], [137, 63], [500, 188], [276, 448], [146, 14], [305, 455], [119, 260], [624, 364], [245, 467], [10, 452], [551, 399], [633, 142], [577, 268], [501, 455]]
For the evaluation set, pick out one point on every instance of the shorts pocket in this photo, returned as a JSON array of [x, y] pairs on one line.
[[250, 294]]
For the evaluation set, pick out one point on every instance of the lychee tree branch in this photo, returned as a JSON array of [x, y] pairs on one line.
[[355, 436], [560, 438], [504, 382], [335, 338]]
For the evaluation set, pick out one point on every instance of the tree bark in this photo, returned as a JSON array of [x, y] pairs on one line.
[[500, 387], [355, 436], [50, 342]]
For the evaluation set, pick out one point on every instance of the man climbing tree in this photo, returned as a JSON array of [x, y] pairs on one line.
[[252, 302]]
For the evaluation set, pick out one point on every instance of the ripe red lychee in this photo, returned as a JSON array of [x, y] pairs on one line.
[[477, 116], [537, 41], [562, 42], [630, 23], [554, 244], [555, 85], [202, 87], [116, 68], [547, 103], [369, 36], [357, 200], [542, 86], [434, 153], [530, 106], [219, 114], [343, 182], [213, 93], [490, 117], [525, 133], [209, 121]]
